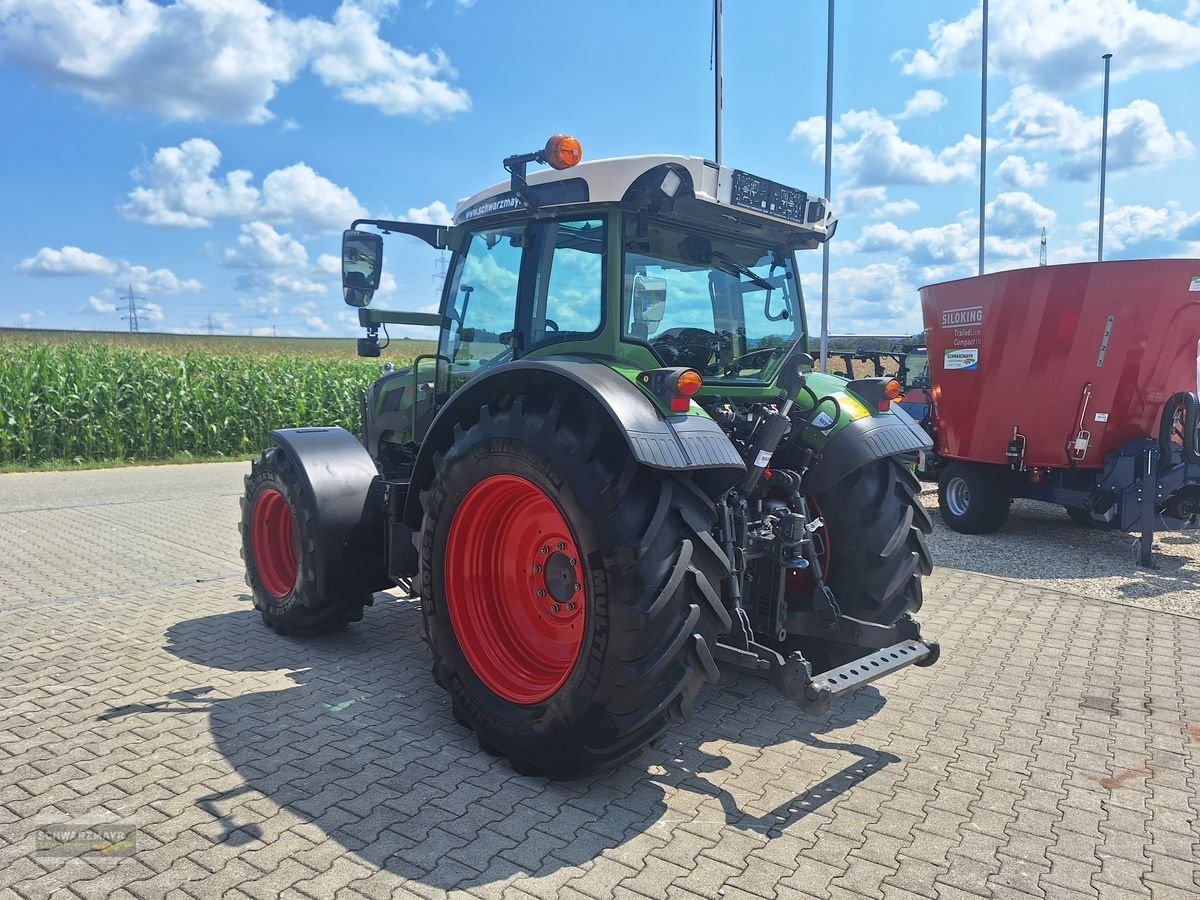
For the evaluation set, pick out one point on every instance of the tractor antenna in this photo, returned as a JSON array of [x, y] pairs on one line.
[[1042, 255]]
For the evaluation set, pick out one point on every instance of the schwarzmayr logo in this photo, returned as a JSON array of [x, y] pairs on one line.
[[102, 839], [964, 315]]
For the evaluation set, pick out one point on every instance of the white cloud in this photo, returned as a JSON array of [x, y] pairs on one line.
[[181, 188], [178, 188], [878, 298], [27, 318], [330, 265], [1056, 44], [1017, 172], [316, 322], [65, 262], [259, 246], [895, 209], [931, 245], [98, 306], [199, 59], [158, 281], [151, 312], [72, 261], [299, 195], [874, 153], [436, 213], [1149, 231], [924, 102], [1138, 136], [351, 57], [1017, 215]]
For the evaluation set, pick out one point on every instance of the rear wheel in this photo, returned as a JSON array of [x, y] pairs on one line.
[[570, 594], [280, 546], [974, 499], [875, 552]]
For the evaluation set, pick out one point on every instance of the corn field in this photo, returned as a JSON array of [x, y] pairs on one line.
[[84, 402]]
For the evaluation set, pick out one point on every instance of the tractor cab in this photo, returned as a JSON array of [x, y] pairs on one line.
[[661, 261]]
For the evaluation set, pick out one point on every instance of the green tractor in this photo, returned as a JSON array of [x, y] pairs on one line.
[[617, 474]]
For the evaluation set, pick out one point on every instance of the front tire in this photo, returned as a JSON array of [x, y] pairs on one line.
[[570, 595], [973, 498], [280, 547]]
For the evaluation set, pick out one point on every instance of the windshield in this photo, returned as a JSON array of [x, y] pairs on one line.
[[727, 308], [917, 369]]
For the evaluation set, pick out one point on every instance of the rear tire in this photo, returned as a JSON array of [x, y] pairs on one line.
[[876, 525], [610, 676], [973, 498], [280, 547]]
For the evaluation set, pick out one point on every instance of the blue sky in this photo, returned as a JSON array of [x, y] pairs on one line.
[[209, 152]]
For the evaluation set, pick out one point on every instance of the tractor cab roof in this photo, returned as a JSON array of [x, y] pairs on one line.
[[680, 186]]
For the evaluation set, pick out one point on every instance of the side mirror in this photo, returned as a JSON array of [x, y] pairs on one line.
[[649, 301], [362, 266]]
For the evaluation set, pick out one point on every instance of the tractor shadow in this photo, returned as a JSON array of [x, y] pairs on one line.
[[359, 741], [1038, 542]]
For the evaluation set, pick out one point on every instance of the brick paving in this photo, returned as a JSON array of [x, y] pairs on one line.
[[1054, 752]]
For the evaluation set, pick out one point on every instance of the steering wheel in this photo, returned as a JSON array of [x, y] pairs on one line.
[[691, 347], [735, 364]]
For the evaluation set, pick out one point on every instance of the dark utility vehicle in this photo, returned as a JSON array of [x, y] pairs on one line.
[[617, 474]]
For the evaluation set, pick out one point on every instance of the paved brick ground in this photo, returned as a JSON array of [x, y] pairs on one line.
[[1055, 751]]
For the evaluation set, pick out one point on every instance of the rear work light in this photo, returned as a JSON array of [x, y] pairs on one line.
[[676, 386]]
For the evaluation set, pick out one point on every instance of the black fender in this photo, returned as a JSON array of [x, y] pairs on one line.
[[674, 443], [863, 441], [347, 495]]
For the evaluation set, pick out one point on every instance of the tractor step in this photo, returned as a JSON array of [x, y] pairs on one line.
[[816, 693]]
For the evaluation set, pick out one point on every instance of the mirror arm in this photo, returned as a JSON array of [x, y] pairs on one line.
[[436, 236]]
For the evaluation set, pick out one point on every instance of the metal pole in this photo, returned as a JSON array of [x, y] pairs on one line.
[[983, 109], [828, 190], [1103, 160], [718, 83]]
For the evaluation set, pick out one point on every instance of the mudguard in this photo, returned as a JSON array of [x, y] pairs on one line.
[[675, 443], [347, 495], [863, 441]]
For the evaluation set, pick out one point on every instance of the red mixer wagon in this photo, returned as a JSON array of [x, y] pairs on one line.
[[1074, 385]]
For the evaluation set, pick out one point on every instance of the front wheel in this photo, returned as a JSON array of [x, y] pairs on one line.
[[570, 595], [280, 545], [973, 498]]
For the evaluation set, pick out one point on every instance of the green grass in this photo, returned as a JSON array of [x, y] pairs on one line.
[[80, 399]]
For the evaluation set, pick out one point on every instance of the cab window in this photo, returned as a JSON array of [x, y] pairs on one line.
[[568, 296], [482, 305]]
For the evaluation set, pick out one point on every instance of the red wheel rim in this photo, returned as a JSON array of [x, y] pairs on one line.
[[271, 539], [515, 588]]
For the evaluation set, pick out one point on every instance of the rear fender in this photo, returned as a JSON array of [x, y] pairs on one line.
[[864, 440], [682, 443], [347, 495]]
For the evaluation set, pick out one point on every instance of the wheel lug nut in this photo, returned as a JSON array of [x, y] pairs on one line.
[[541, 593], [575, 587], [574, 561], [560, 546], [537, 570], [570, 607], [554, 608], [545, 549]]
